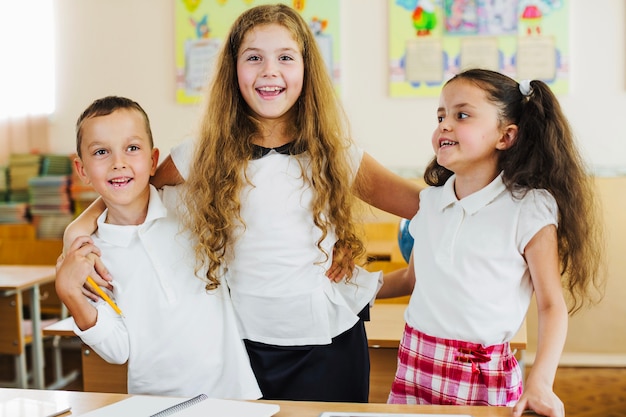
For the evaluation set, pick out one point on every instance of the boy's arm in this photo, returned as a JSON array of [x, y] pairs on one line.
[[398, 283], [383, 189], [71, 272], [111, 338]]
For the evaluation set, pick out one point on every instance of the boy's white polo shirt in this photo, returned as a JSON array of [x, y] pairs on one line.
[[178, 339], [472, 281]]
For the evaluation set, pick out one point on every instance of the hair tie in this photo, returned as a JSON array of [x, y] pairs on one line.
[[525, 88]]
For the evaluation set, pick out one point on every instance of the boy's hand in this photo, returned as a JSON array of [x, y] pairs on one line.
[[342, 265]]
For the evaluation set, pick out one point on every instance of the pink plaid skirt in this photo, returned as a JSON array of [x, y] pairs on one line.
[[433, 370]]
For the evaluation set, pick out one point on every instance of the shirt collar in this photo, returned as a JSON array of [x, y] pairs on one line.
[[121, 235], [286, 149], [474, 202]]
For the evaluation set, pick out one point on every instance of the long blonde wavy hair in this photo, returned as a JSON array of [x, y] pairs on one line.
[[227, 130]]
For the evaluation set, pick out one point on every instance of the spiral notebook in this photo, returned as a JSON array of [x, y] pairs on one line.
[[199, 406]]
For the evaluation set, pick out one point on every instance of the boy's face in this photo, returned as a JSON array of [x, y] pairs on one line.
[[117, 159]]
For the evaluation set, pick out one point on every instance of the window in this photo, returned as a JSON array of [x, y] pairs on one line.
[[27, 76]]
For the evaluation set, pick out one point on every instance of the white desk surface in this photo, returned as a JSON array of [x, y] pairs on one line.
[[23, 277]]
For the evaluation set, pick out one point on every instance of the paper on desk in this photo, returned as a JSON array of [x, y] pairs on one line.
[[32, 408], [143, 406]]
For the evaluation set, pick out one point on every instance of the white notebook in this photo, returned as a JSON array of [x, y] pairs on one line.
[[200, 406], [32, 408]]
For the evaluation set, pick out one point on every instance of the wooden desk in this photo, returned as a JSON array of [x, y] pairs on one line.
[[386, 325], [15, 279], [384, 250], [82, 402]]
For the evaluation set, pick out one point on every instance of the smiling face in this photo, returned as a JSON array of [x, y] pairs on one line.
[[270, 72], [117, 160], [469, 134]]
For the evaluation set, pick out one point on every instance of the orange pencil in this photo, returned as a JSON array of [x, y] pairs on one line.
[[104, 296]]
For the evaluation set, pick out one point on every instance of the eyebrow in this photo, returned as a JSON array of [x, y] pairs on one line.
[[280, 50], [458, 106]]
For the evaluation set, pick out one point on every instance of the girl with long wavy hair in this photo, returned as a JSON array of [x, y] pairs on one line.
[[271, 184]]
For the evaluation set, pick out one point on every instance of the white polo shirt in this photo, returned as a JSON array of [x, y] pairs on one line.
[[276, 273], [472, 282], [178, 339]]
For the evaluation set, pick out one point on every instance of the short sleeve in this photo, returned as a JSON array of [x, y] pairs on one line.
[[182, 156], [355, 155], [538, 209]]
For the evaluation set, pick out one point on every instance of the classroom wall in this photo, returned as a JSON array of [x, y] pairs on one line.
[[127, 48]]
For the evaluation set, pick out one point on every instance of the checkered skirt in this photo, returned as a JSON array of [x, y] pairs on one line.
[[433, 370]]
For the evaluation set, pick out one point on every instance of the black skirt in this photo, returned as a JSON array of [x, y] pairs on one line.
[[336, 372]]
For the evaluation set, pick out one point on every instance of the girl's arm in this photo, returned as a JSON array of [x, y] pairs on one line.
[[86, 223], [83, 225], [383, 189], [543, 261], [398, 283], [166, 174]]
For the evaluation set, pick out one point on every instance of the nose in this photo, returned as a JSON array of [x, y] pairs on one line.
[[445, 125], [269, 68], [119, 161]]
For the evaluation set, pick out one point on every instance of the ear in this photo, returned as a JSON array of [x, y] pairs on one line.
[[508, 138], [155, 160], [80, 170]]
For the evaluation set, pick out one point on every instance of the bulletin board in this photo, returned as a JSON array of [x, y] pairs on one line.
[[201, 25], [431, 40]]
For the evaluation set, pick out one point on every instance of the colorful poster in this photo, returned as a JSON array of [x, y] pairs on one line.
[[431, 40], [201, 26]]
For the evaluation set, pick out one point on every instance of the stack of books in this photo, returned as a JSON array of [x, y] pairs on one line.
[[13, 213], [4, 184], [22, 167], [50, 205], [56, 165]]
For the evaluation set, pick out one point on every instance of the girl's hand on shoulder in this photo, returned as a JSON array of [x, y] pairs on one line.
[[543, 402], [81, 260]]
